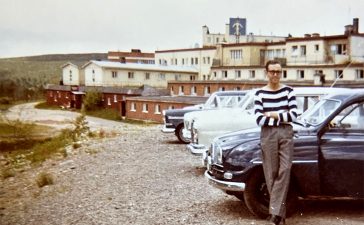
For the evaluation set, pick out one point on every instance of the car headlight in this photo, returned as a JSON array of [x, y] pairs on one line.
[[216, 154]]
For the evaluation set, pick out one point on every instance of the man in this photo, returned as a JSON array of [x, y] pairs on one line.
[[275, 107]]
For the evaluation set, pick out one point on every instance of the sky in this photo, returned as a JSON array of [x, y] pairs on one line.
[[37, 27]]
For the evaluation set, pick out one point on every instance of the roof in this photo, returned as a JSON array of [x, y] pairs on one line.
[[77, 64], [187, 49], [144, 90], [146, 67], [171, 99]]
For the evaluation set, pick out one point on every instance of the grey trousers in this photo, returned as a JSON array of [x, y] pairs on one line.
[[277, 154]]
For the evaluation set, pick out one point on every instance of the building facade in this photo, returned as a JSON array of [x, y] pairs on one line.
[[106, 73], [134, 56]]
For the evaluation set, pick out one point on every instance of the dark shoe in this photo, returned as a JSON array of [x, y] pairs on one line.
[[274, 219]]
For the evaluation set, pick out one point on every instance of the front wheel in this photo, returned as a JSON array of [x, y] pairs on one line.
[[179, 134], [256, 195]]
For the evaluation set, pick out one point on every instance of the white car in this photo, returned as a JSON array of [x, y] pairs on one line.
[[203, 127]]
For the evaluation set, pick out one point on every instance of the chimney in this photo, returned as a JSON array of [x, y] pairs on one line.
[[315, 35], [356, 26], [349, 29], [307, 35]]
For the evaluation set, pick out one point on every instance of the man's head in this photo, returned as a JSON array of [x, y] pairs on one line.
[[274, 71]]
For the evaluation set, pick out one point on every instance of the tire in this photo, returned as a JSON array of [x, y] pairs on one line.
[[179, 134], [257, 197]]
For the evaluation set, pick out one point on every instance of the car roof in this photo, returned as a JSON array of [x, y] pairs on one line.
[[351, 94], [230, 93]]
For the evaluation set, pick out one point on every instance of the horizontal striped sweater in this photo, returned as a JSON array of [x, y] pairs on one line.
[[281, 101]]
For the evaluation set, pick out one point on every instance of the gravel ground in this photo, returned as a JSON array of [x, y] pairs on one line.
[[140, 176]]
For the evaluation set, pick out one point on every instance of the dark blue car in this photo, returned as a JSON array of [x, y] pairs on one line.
[[328, 156]]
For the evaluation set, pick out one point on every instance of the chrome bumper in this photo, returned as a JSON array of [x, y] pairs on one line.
[[196, 149], [167, 130], [224, 185]]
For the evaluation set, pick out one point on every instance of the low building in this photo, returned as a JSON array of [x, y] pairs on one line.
[[151, 108], [72, 74], [134, 56], [105, 73]]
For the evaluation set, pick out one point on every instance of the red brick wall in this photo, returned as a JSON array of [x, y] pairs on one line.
[[60, 98], [138, 114]]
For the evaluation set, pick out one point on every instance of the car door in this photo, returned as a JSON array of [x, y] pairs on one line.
[[341, 156]]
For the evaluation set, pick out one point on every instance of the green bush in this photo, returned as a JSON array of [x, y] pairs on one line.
[[92, 100], [5, 101]]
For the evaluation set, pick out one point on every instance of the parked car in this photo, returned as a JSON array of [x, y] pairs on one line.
[[173, 118], [204, 126], [328, 159]]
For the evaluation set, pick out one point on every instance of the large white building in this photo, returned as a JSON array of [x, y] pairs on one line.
[[106, 73], [315, 58]]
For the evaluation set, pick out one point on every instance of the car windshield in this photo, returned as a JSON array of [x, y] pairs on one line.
[[227, 101], [319, 112]]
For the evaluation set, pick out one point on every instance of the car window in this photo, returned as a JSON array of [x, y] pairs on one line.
[[351, 117], [320, 111], [305, 102]]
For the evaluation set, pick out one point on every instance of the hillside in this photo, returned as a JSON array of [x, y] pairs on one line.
[[19, 75]]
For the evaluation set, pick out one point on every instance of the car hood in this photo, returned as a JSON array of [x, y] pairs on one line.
[[232, 119]]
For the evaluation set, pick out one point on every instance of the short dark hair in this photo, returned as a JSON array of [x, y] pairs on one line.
[[272, 62]]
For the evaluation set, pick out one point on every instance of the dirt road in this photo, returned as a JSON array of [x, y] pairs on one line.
[[141, 176]]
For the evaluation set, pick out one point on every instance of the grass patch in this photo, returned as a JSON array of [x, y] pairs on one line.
[[109, 114], [44, 105], [44, 179]]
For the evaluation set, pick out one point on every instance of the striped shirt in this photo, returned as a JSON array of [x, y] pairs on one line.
[[282, 101]]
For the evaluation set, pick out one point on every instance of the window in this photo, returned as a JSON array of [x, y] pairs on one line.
[[359, 74], [193, 90], [70, 75], [51, 93], [132, 106], [222, 89], [147, 76], [114, 74], [183, 61], [300, 74], [177, 76], [59, 94], [108, 101], [224, 74], [237, 74], [237, 88], [236, 54], [131, 75], [284, 76], [207, 90], [171, 107], [338, 49], [93, 75], [191, 61], [215, 74], [339, 74], [204, 60], [303, 50], [351, 118], [192, 77], [115, 98], [145, 107], [317, 48], [196, 61], [162, 76], [251, 74], [157, 109], [181, 90], [294, 51], [217, 40], [208, 60]]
